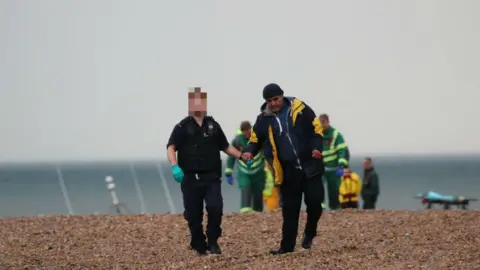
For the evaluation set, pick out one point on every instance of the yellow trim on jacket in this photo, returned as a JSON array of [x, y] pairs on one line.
[[297, 107]]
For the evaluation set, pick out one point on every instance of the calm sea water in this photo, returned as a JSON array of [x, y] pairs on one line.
[[32, 189]]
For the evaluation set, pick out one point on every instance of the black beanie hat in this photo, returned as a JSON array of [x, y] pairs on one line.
[[272, 90]]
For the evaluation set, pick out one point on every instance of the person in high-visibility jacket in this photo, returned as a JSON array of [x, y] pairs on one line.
[[270, 193], [335, 157], [350, 189], [251, 178]]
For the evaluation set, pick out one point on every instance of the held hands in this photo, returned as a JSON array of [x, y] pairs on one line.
[[247, 158], [177, 173], [316, 154]]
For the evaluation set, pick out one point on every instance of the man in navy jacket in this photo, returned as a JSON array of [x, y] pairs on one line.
[[294, 134]]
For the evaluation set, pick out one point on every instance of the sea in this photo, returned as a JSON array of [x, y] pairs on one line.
[[32, 189]]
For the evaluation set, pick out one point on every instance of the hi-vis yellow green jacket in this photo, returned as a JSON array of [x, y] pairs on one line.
[[335, 149], [307, 128]]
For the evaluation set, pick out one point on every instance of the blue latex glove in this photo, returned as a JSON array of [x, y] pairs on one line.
[[230, 179], [340, 171], [177, 173]]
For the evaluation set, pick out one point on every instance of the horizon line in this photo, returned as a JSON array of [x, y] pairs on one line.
[[152, 159]]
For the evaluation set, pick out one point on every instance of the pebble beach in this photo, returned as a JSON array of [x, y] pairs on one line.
[[351, 239]]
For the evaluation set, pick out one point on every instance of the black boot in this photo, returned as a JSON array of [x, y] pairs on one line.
[[214, 248], [199, 249], [201, 252], [307, 241], [280, 251]]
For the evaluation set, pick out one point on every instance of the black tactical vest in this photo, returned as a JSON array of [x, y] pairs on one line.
[[200, 151]]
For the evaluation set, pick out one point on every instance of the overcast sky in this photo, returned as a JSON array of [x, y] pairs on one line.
[[98, 79]]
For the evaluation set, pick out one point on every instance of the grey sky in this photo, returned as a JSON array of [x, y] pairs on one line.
[[100, 79]]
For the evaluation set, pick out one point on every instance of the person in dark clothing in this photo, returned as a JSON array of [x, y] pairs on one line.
[[198, 140], [294, 133], [371, 186]]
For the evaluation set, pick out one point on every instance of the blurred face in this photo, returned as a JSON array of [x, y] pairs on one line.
[[275, 103], [246, 133], [197, 102], [367, 164], [325, 123]]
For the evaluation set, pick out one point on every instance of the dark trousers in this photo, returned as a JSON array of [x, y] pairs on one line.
[[369, 201], [347, 205], [280, 199], [294, 185], [252, 198], [197, 189]]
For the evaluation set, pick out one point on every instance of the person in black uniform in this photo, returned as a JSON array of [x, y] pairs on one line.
[[295, 135], [198, 139]]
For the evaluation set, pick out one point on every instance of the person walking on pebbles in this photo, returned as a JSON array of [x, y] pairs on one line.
[[371, 186], [198, 140], [251, 178], [294, 133], [336, 156]]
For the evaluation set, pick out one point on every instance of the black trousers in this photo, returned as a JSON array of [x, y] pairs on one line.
[[249, 198], [295, 185], [369, 201], [197, 189], [347, 205], [280, 198]]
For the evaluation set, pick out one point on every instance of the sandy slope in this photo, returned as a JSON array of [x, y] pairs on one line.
[[347, 240]]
